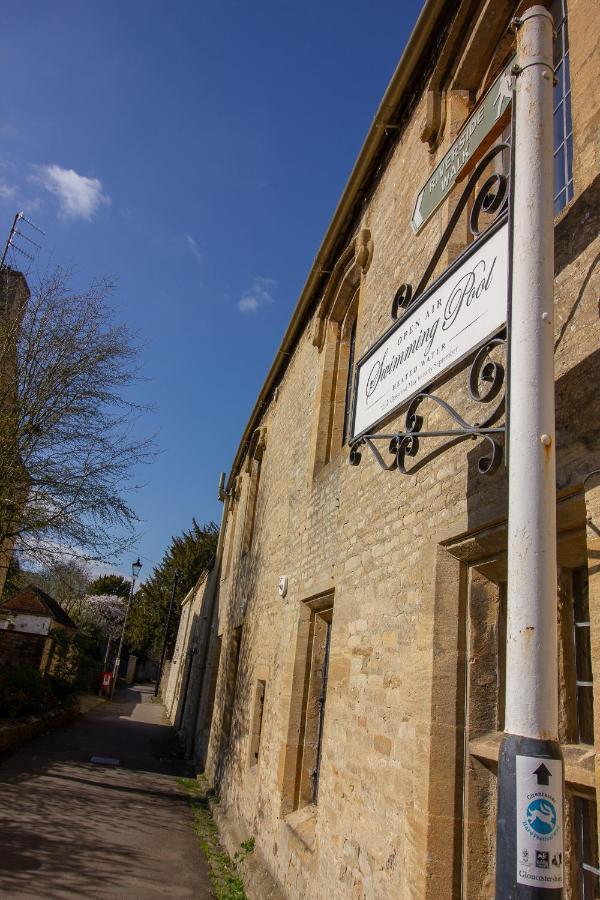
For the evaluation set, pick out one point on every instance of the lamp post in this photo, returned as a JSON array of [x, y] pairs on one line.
[[135, 571], [170, 613]]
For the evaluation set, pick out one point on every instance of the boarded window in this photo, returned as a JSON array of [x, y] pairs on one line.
[[309, 699], [233, 662], [257, 720]]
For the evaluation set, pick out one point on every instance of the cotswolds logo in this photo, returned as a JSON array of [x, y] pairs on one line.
[[540, 817]]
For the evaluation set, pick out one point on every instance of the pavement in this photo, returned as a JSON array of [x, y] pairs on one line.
[[73, 828]]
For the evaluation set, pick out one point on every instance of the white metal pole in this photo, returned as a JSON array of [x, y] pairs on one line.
[[531, 664], [531, 712]]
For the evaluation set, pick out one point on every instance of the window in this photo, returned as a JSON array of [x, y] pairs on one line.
[[231, 526], [336, 336], [562, 119], [257, 720], [315, 711], [586, 831], [250, 514], [336, 398], [231, 676], [309, 697], [349, 386], [485, 601], [253, 468], [583, 657], [563, 125]]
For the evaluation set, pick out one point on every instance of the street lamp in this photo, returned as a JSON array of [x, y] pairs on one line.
[[135, 571]]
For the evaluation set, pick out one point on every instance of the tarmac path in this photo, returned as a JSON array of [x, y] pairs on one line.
[[72, 828]]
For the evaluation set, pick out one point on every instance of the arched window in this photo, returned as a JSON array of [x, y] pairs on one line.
[[335, 335], [348, 404]]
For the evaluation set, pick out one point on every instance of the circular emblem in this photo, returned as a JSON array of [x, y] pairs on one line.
[[541, 817]]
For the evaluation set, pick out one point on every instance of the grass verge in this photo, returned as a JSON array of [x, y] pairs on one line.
[[223, 870]]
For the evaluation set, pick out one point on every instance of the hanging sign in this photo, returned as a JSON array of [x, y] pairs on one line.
[[461, 311], [539, 822], [471, 137]]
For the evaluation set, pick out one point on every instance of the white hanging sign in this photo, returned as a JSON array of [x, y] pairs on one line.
[[461, 311], [539, 822]]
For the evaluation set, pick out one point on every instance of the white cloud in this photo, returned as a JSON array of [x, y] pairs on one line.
[[32, 206], [7, 191], [248, 304], [79, 197], [96, 569], [258, 294], [193, 247]]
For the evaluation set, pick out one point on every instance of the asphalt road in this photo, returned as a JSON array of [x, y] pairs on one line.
[[73, 828]]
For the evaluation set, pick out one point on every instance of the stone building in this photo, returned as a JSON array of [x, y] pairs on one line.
[[347, 655], [34, 630], [14, 294]]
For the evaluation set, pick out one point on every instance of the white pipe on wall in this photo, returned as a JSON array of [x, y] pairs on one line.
[[531, 658]]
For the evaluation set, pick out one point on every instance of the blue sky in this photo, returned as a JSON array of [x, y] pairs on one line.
[[196, 152]]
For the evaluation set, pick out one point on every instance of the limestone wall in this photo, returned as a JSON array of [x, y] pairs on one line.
[[401, 790]]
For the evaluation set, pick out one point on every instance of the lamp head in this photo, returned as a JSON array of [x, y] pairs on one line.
[[135, 568]]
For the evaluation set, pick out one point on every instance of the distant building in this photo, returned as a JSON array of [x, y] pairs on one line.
[[340, 676], [31, 625], [14, 293]]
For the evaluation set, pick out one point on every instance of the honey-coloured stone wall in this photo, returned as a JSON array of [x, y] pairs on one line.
[[407, 768]]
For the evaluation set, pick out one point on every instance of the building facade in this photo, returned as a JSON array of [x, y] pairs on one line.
[[14, 294], [34, 631], [348, 695]]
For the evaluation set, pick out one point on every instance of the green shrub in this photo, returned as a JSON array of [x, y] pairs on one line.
[[24, 691], [62, 692], [74, 660]]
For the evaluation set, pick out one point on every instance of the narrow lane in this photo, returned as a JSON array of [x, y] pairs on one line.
[[73, 828]]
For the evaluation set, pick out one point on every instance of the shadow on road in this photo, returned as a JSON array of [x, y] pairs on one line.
[[70, 828]]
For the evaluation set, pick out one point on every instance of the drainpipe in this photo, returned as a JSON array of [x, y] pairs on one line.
[[529, 849]]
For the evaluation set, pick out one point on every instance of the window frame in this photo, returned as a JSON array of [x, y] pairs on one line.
[[232, 673], [309, 697], [562, 116]]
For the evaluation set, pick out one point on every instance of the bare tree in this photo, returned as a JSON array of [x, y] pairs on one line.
[[66, 580], [67, 444]]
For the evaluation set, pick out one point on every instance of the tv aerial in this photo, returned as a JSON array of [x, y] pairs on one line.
[[18, 233]]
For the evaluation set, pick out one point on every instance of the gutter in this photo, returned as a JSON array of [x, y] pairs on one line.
[[374, 147]]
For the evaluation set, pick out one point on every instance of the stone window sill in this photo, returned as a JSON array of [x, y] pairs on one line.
[[579, 758], [302, 823]]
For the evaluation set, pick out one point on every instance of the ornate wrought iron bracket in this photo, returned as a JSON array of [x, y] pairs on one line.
[[491, 199], [486, 382]]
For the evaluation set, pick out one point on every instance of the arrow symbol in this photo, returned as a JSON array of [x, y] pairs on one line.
[[504, 94], [543, 774], [417, 217]]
